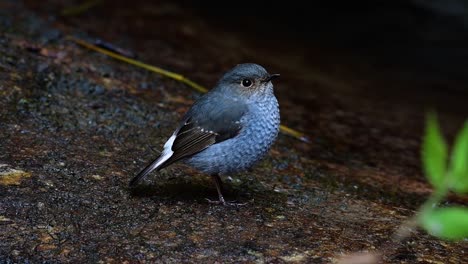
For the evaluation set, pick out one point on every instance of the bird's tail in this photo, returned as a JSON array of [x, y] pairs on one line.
[[155, 164], [158, 163]]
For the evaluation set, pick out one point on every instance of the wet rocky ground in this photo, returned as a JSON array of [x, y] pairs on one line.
[[76, 126]]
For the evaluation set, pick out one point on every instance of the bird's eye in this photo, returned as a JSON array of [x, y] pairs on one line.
[[246, 83]]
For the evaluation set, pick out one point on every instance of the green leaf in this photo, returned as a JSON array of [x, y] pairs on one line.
[[434, 153], [446, 223], [459, 162]]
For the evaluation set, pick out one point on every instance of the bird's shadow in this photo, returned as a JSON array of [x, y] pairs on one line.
[[184, 191], [181, 190]]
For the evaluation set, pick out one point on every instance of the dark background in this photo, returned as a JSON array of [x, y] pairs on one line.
[[428, 37], [420, 47]]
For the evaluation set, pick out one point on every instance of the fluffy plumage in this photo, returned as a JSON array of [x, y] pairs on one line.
[[226, 130]]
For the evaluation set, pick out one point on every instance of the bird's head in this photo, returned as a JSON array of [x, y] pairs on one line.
[[248, 79]]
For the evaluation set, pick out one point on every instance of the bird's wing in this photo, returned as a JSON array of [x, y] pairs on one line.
[[208, 122]]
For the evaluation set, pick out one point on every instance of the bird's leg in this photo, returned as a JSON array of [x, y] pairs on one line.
[[219, 188]]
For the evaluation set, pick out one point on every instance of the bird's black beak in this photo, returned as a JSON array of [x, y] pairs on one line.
[[271, 77]]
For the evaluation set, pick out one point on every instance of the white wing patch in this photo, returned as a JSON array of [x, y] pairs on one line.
[[167, 151]]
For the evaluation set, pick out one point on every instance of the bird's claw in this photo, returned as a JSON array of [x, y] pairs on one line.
[[223, 202]]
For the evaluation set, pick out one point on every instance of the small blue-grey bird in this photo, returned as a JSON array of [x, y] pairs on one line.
[[228, 129]]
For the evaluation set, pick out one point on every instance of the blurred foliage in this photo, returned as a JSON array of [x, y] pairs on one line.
[[449, 223]]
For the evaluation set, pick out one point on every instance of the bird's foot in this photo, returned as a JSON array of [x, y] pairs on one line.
[[223, 202]]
